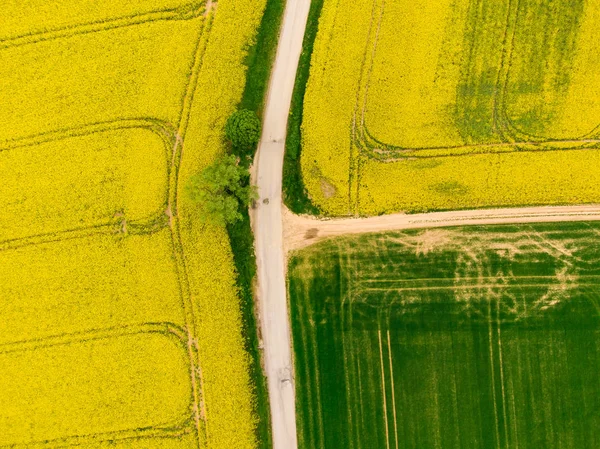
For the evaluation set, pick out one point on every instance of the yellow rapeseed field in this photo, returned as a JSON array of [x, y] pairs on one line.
[[51, 191], [452, 104], [121, 321], [36, 20]]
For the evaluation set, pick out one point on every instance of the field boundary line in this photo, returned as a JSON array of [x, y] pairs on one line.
[[162, 430], [144, 226], [456, 287], [67, 338], [501, 365], [163, 129], [360, 393], [493, 369], [200, 414], [301, 231], [499, 119], [144, 433], [347, 359], [392, 386], [189, 11], [467, 278], [361, 97], [508, 128]]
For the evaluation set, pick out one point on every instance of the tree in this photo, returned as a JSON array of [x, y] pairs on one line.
[[220, 189], [243, 130]]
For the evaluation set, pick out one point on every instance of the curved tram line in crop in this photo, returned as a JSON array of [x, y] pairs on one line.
[[148, 224], [189, 11], [515, 139], [183, 426], [173, 138]]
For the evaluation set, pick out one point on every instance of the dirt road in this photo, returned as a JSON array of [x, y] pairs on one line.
[[267, 222], [302, 231]]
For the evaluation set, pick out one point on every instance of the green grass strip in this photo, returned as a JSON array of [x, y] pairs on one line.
[[261, 56], [259, 60], [295, 195], [242, 243]]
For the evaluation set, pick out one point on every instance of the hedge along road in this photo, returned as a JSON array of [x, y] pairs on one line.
[[267, 220]]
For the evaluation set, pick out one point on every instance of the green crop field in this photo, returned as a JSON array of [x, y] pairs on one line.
[[481, 337]]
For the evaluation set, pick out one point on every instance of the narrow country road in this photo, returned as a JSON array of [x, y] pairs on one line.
[[267, 222]]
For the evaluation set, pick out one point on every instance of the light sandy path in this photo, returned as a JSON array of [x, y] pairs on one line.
[[267, 223], [302, 231]]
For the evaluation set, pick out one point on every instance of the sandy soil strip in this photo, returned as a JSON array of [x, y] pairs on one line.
[[301, 231]]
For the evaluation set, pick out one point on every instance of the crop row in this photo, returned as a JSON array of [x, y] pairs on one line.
[[86, 178], [59, 412]]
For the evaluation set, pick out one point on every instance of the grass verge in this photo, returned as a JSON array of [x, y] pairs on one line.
[[259, 61], [295, 195], [260, 57], [242, 243]]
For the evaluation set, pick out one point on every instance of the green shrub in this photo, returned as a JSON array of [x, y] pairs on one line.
[[243, 131], [221, 190]]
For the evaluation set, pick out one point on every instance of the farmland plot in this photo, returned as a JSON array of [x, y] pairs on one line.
[[484, 337], [452, 104], [120, 317]]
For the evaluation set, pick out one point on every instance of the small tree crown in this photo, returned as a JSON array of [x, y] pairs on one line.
[[243, 130]]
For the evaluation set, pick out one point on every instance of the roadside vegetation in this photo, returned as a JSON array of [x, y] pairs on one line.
[[242, 130], [295, 195], [259, 60], [222, 190]]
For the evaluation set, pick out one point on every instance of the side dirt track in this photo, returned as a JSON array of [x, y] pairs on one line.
[[301, 231]]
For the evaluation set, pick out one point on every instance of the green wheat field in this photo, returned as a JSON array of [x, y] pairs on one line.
[[478, 337]]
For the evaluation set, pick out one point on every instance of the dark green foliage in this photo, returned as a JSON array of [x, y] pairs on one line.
[[221, 189], [243, 131], [294, 192]]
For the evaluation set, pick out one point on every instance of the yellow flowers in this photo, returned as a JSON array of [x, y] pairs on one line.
[[87, 180], [139, 379], [97, 77], [120, 309], [426, 109], [30, 21]]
